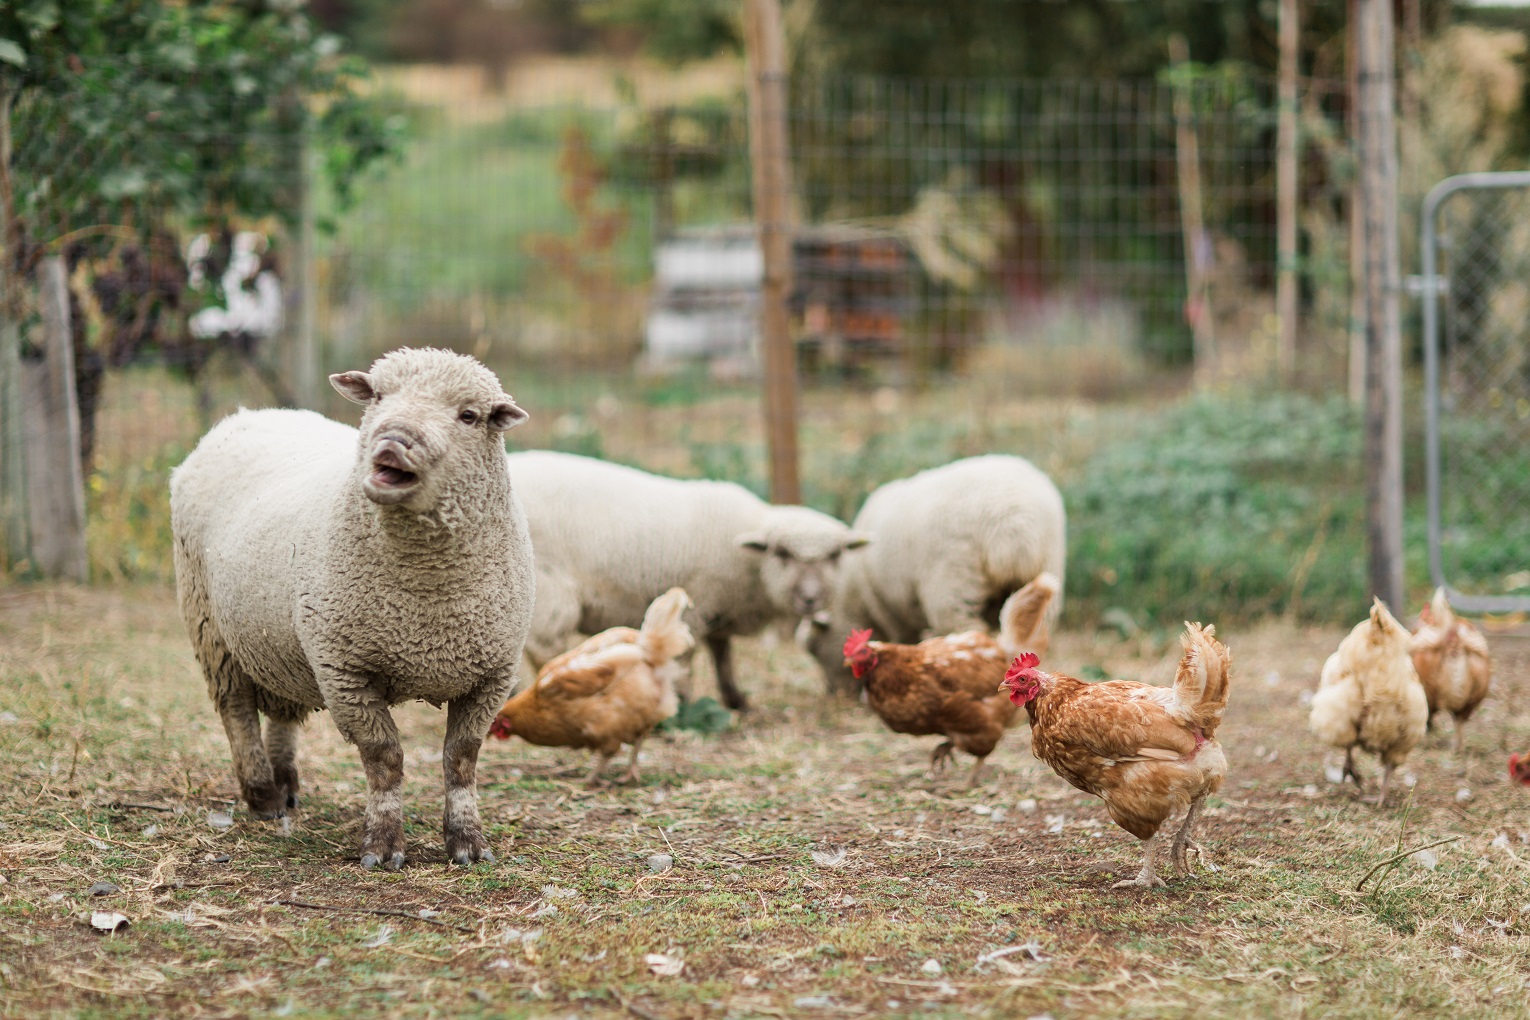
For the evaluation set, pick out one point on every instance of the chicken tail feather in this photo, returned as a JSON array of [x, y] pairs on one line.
[[1022, 619], [1202, 681], [664, 634]]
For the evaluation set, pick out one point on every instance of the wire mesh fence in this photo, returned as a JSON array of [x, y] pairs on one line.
[[978, 266], [1481, 397]]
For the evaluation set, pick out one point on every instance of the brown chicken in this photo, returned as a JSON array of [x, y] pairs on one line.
[[611, 690], [1452, 661], [1147, 751], [1519, 768], [948, 685]]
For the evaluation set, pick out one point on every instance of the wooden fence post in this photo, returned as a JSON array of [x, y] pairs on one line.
[[13, 468], [1192, 217], [55, 487], [1287, 283], [1376, 67], [766, 50]]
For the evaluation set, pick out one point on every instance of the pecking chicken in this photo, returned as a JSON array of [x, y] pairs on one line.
[[612, 689], [1519, 768], [1451, 658], [948, 685], [1147, 751], [1369, 697]]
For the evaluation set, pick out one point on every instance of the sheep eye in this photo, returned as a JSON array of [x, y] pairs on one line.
[[468, 417], [782, 554], [834, 556]]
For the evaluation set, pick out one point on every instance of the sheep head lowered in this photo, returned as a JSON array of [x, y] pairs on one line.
[[801, 551], [432, 418]]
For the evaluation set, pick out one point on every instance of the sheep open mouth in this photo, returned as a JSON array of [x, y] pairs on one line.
[[388, 477]]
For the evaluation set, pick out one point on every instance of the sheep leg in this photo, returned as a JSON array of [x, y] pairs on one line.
[[363, 719], [721, 647], [281, 748], [1147, 878], [467, 723], [241, 721]]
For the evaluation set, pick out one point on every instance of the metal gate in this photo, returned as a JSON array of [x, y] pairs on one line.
[[1475, 286]]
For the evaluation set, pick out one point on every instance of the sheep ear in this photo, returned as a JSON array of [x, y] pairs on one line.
[[857, 539], [754, 541], [354, 386], [506, 415]]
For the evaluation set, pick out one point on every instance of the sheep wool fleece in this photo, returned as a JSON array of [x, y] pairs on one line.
[[320, 566]]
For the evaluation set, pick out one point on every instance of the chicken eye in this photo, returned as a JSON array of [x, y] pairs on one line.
[[468, 417]]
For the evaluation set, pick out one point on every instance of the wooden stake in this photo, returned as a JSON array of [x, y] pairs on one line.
[[1373, 32], [766, 51], [55, 487], [1287, 283], [1356, 218], [1192, 219], [13, 468]]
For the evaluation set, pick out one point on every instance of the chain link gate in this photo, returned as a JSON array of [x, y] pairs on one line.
[[1475, 286]]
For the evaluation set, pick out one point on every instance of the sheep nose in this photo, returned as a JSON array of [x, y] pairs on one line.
[[396, 437]]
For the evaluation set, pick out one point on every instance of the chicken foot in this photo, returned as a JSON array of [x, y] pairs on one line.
[[1350, 772], [1184, 841], [1147, 878]]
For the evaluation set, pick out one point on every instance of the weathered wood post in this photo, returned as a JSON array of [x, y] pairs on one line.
[[1192, 218], [1287, 292], [1382, 283], [766, 49], [55, 486], [13, 469]]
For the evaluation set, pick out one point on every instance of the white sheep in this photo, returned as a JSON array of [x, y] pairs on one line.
[[322, 567], [610, 539], [948, 546]]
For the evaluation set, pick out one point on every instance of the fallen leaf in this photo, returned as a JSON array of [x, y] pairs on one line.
[[220, 819], [383, 937]]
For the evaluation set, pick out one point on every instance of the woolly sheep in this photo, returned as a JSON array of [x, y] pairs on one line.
[[322, 567], [949, 546], [610, 539]]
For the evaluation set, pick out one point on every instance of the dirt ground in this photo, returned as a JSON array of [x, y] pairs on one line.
[[817, 869]]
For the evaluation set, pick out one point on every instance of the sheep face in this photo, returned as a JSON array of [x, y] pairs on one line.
[[800, 552], [433, 420]]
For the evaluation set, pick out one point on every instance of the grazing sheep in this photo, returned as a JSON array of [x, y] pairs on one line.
[[949, 546], [319, 567], [611, 539]]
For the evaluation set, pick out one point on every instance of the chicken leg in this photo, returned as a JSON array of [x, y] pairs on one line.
[[1350, 772], [601, 761], [1183, 841], [1147, 878], [977, 770], [631, 775], [940, 756], [1386, 780]]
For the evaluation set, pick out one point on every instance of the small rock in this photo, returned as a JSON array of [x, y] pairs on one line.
[[1457, 953], [213, 858], [999, 814], [1409, 780], [931, 967], [479, 995], [814, 1002], [982, 809], [220, 819], [1333, 773], [321, 963], [102, 889], [427, 913], [8, 718], [56, 897], [1272, 678], [660, 863], [749, 980], [848, 901], [150, 831], [1426, 859], [665, 964], [1055, 823], [1463, 795], [1309, 790], [1027, 806], [1501, 841]]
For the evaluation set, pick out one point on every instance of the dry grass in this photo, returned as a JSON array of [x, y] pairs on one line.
[[111, 759]]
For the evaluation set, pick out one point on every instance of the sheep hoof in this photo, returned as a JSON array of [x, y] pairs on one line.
[[393, 863], [292, 800], [467, 859]]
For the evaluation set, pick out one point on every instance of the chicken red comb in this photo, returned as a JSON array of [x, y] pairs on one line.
[[1022, 665], [1514, 769], [857, 642], [500, 728]]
